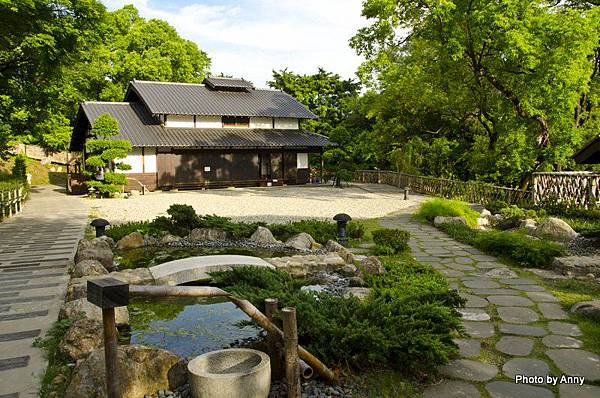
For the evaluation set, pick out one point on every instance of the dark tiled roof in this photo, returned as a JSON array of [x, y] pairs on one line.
[[197, 99], [590, 153], [143, 130], [228, 83]]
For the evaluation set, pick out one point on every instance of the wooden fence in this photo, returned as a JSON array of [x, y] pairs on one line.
[[11, 201], [577, 189], [472, 192]]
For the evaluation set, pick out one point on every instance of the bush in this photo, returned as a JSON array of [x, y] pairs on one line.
[[513, 215], [406, 323], [356, 230], [19, 170], [146, 228], [430, 209], [515, 246], [391, 241], [495, 206]]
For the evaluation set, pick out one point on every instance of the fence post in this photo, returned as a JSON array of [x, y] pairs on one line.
[[273, 345], [290, 339]]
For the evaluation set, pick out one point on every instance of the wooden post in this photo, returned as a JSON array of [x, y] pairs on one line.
[[110, 352], [274, 347], [290, 341]]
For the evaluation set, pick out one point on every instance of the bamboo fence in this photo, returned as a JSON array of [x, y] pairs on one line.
[[11, 201]]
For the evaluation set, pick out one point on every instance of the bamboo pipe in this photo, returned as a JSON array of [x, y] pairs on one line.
[[290, 345], [244, 305]]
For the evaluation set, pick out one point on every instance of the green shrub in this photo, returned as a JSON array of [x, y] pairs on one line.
[[460, 232], [321, 231], [145, 227], [10, 184], [356, 230], [183, 216], [19, 169], [391, 241], [495, 206], [513, 215], [430, 209], [406, 323]]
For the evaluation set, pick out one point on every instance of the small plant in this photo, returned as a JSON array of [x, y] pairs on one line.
[[495, 206], [513, 215], [57, 364], [183, 216], [19, 170], [391, 241], [430, 209]]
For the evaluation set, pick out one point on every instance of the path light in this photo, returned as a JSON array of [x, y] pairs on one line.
[[406, 193], [342, 227], [100, 225]]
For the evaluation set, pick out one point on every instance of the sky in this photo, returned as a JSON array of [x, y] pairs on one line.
[[250, 38]]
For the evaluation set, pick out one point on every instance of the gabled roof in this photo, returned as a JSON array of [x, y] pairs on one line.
[[198, 99], [590, 153], [143, 130]]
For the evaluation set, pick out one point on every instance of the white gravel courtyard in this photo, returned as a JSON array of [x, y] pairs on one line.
[[274, 204]]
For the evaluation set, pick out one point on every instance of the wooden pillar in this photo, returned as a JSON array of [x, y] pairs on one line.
[[290, 341], [110, 352], [322, 168], [273, 344]]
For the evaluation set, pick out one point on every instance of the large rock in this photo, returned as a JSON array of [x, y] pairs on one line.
[[439, 220], [370, 265], [577, 265], [76, 289], [263, 236], [359, 292], [83, 337], [588, 309], [529, 225], [131, 241], [333, 246], [200, 234], [168, 239], [110, 241], [88, 268], [81, 308], [555, 229], [303, 266], [142, 371], [301, 241], [96, 249], [136, 276]]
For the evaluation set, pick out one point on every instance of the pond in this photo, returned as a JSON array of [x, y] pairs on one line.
[[151, 256], [189, 326]]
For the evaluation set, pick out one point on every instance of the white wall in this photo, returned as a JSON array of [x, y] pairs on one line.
[[261, 123], [286, 123], [208, 122], [302, 160], [149, 160], [139, 164], [179, 121]]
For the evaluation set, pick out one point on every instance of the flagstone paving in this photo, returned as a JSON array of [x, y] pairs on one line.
[[513, 326], [36, 247]]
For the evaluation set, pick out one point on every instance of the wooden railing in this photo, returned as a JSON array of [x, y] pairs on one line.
[[472, 192], [11, 201], [577, 189]]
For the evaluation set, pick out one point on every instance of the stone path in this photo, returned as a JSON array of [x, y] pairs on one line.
[[36, 247], [513, 326]]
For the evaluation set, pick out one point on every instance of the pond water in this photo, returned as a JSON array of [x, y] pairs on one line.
[[189, 326], [151, 256]]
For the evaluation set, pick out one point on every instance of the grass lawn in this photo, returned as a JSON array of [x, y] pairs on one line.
[[41, 174]]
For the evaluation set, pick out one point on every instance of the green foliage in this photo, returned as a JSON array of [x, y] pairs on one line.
[[514, 214], [495, 206], [19, 170], [145, 227], [10, 184], [406, 323], [57, 364], [432, 208], [105, 126], [391, 241], [515, 246]]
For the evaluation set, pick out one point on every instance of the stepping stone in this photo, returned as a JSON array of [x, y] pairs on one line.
[[517, 315], [499, 292], [510, 301], [565, 329], [452, 389], [464, 260], [518, 346], [555, 341], [481, 284], [518, 282], [467, 369], [488, 265], [474, 301], [505, 389], [522, 330], [577, 363], [526, 367], [484, 257], [460, 267], [468, 348], [552, 311], [529, 288], [503, 273], [474, 314], [450, 273], [542, 296], [479, 330], [575, 391]]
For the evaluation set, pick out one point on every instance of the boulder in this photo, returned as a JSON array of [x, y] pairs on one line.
[[95, 249], [264, 236], [529, 225], [150, 240], [577, 265], [88, 268], [357, 281], [81, 308], [110, 241], [588, 309], [168, 238], [333, 246], [131, 241], [76, 289], [301, 241], [136, 276], [485, 213], [370, 265], [200, 234], [316, 246], [555, 229], [439, 220], [83, 337], [142, 371], [302, 266], [359, 292], [348, 270], [483, 222]]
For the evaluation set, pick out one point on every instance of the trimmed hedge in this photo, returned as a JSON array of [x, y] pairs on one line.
[[391, 241]]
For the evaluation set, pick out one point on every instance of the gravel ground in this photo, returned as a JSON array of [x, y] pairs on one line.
[[275, 204]]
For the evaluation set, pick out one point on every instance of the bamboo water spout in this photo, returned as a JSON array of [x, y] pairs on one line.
[[244, 305]]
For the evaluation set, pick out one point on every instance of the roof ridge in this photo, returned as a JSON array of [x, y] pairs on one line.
[[161, 82], [109, 102]]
